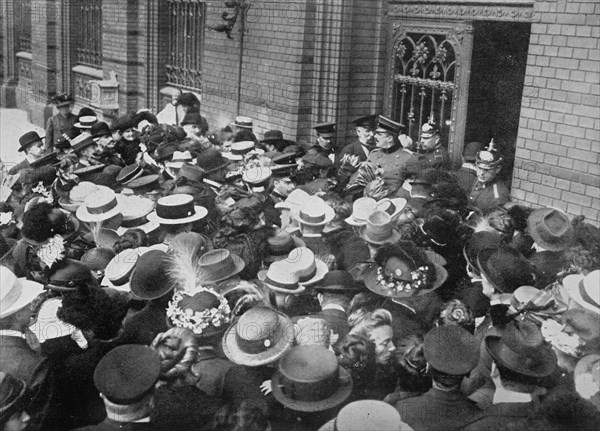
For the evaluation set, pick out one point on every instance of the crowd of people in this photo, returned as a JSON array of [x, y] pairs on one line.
[[160, 275]]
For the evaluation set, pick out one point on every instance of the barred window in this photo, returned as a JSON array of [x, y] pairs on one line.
[[88, 19], [23, 25], [186, 41]]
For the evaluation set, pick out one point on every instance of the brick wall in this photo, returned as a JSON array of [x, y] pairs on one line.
[[557, 160]]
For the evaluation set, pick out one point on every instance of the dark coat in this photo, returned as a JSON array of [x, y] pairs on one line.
[[467, 176], [128, 150], [353, 149], [21, 362], [57, 125], [145, 325], [488, 197], [437, 410], [497, 416], [547, 265], [347, 248]]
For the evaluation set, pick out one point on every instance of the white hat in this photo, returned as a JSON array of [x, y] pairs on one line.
[[135, 210], [281, 277], [296, 199], [244, 122], [16, 293], [239, 149], [178, 159], [177, 209], [99, 206], [367, 415], [309, 269], [314, 212], [585, 290], [362, 208], [391, 206]]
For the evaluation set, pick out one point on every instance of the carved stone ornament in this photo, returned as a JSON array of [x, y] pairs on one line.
[[523, 12]]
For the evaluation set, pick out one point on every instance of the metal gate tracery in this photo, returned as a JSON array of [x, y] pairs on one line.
[[428, 78]]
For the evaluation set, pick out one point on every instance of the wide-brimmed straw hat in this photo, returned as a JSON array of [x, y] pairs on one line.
[[281, 277], [585, 291], [118, 271], [550, 228], [16, 293], [99, 206], [135, 210], [239, 150], [314, 212], [309, 379], [260, 336], [367, 415], [86, 122], [379, 229], [177, 209], [309, 269], [218, 265], [391, 206], [362, 208]]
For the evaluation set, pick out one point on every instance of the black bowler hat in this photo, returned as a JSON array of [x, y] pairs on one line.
[[28, 139], [68, 275], [100, 129], [389, 125], [127, 373], [326, 130], [338, 282], [366, 121], [451, 350]]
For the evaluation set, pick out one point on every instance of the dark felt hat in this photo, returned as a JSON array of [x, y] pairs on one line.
[[326, 130], [389, 125], [551, 229], [28, 139], [12, 396], [191, 172], [144, 116], [366, 121], [275, 137], [188, 99], [309, 379], [211, 160], [317, 160], [144, 184], [62, 100], [150, 278], [337, 281], [80, 146], [480, 241], [97, 259], [129, 173], [218, 265], [46, 160], [100, 129], [505, 268], [192, 118], [451, 350], [165, 151], [124, 122], [67, 275], [521, 348], [127, 373]]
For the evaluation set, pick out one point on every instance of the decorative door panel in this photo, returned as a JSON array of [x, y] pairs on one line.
[[428, 77]]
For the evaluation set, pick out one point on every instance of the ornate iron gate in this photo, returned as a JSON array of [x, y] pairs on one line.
[[428, 78]]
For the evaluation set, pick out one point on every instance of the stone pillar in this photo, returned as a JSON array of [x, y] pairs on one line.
[[9, 77]]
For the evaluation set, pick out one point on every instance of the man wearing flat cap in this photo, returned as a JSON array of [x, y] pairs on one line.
[[389, 154], [362, 146], [451, 353], [430, 146], [488, 192]]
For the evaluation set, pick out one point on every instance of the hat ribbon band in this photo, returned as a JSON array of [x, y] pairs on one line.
[[176, 211], [313, 391], [281, 249], [391, 209], [308, 276], [310, 219], [263, 344], [13, 295], [138, 221], [288, 286], [585, 296], [104, 208], [132, 175], [241, 152]]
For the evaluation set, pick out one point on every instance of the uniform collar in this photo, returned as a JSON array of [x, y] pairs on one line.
[[391, 149]]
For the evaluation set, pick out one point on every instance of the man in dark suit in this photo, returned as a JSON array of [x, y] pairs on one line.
[[334, 294], [17, 358], [365, 128], [451, 353]]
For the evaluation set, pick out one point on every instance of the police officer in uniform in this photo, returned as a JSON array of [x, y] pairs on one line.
[[488, 191], [388, 153], [63, 122], [325, 141], [361, 147], [430, 146]]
